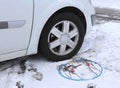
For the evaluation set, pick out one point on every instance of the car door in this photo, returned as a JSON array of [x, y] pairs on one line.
[[15, 25]]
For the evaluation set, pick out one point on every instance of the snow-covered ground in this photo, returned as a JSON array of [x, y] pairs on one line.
[[113, 4], [105, 50]]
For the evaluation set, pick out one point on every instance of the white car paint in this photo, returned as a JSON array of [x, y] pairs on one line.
[[23, 37]]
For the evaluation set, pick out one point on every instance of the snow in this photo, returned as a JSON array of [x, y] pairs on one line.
[[106, 51], [113, 4], [105, 38]]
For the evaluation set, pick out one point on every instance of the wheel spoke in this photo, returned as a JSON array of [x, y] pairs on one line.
[[56, 32], [62, 49], [73, 33], [54, 44], [66, 27], [71, 44]]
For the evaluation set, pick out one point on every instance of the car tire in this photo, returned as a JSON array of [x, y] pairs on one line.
[[56, 43]]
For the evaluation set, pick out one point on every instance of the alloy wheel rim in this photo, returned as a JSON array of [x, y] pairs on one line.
[[63, 37]]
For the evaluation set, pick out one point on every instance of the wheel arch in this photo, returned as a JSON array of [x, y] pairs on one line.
[[74, 10]]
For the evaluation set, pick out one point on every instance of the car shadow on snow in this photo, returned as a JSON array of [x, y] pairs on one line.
[[20, 61]]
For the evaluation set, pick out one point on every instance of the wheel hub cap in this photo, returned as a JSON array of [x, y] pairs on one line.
[[64, 39]]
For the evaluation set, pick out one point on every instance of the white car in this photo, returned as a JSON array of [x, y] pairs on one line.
[[55, 28]]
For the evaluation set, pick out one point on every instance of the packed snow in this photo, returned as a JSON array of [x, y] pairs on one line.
[[37, 72], [113, 4]]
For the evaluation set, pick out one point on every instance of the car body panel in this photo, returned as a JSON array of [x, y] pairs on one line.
[[16, 15]]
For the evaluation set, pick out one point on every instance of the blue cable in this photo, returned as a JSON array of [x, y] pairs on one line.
[[59, 71]]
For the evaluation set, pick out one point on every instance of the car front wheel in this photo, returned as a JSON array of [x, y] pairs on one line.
[[62, 37]]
